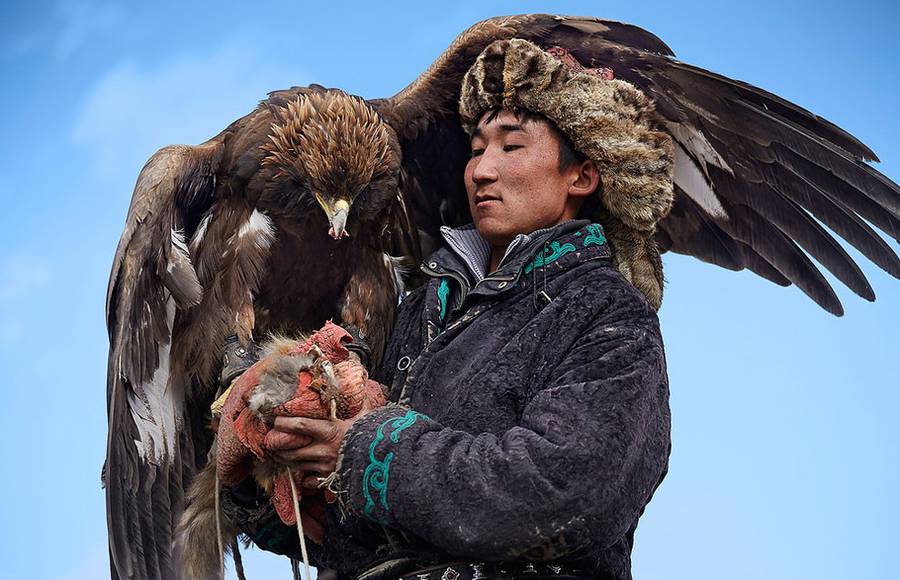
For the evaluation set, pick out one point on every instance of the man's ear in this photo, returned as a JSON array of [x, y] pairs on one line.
[[586, 178]]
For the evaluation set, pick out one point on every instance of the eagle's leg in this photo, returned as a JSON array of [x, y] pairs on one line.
[[245, 321], [369, 300], [240, 351]]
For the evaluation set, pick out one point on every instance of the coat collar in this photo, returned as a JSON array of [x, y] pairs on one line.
[[475, 251], [564, 245]]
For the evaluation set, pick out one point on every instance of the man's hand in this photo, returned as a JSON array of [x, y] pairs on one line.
[[310, 445]]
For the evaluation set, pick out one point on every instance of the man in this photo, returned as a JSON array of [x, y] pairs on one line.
[[529, 423]]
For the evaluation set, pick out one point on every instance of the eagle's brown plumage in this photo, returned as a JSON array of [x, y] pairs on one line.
[[335, 142], [232, 236]]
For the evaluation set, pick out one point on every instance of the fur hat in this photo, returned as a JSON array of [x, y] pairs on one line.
[[610, 121]]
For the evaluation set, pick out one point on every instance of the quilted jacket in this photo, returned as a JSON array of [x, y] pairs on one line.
[[528, 421]]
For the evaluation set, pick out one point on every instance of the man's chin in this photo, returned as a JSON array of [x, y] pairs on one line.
[[498, 234], [494, 231]]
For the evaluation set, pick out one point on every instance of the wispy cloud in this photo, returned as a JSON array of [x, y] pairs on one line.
[[132, 111], [78, 21], [67, 27]]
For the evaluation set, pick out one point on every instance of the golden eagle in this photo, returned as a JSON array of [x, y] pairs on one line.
[[295, 214]]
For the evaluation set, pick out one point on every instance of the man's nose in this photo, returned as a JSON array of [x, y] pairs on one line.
[[485, 170]]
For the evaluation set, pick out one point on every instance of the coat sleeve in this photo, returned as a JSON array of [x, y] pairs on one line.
[[577, 471]]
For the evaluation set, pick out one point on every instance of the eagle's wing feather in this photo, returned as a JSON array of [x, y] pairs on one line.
[[150, 449], [782, 171], [755, 173]]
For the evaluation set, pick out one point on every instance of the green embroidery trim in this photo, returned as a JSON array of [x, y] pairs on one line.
[[595, 236], [551, 254], [443, 292], [375, 477]]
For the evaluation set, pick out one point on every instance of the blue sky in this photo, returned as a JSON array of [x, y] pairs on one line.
[[784, 462]]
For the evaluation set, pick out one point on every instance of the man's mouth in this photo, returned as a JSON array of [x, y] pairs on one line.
[[485, 198]]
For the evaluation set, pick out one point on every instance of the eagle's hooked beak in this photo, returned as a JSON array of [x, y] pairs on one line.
[[337, 216]]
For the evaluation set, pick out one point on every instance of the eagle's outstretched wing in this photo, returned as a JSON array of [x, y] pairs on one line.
[[151, 452], [755, 174]]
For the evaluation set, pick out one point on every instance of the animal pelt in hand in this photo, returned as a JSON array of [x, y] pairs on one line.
[[316, 377]]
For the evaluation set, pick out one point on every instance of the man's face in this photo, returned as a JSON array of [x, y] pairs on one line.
[[513, 179]]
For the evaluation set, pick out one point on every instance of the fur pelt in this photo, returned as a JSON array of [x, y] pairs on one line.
[[636, 257], [272, 387], [610, 121], [195, 543], [197, 528]]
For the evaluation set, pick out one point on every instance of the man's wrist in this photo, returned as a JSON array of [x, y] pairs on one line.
[[367, 452]]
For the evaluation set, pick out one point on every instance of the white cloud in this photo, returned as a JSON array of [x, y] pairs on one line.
[[78, 21], [134, 110], [66, 28]]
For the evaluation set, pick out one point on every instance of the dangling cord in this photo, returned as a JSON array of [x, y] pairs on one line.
[[543, 271], [534, 276], [219, 527], [295, 569], [544, 277], [299, 524], [238, 561]]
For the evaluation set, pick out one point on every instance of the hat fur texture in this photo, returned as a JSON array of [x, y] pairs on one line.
[[610, 121]]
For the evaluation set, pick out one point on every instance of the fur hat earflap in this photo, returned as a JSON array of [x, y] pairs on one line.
[[610, 121]]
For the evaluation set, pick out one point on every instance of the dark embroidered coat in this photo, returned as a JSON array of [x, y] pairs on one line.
[[530, 420]]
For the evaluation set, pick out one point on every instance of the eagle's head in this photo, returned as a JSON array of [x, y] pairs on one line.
[[334, 148]]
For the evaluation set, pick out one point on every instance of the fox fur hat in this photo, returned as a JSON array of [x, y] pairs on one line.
[[610, 121]]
